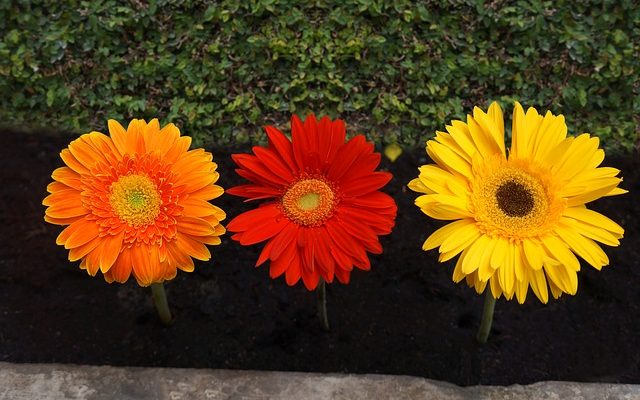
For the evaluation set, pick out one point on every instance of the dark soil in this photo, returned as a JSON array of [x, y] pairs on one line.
[[405, 316]]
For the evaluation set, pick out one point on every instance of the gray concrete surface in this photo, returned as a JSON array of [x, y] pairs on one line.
[[76, 382]]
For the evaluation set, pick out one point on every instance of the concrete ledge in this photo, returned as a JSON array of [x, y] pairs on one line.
[[75, 382]]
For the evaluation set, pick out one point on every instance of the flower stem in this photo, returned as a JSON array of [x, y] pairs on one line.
[[160, 301], [322, 305], [487, 317]]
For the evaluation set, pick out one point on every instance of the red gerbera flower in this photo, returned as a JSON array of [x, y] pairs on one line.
[[323, 209]]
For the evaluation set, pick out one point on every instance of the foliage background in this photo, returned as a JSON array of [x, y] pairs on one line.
[[396, 71]]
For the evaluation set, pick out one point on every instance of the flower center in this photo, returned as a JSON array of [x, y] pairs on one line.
[[309, 202], [135, 200], [515, 199]]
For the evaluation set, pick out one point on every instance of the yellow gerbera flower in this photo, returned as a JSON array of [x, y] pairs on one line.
[[521, 216]]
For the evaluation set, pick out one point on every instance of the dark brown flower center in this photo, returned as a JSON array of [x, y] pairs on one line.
[[514, 199]]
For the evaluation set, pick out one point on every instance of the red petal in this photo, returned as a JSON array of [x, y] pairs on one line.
[[285, 237], [310, 279], [294, 272], [262, 231], [345, 241], [307, 251], [365, 165], [366, 185], [363, 232], [254, 165], [337, 137], [360, 216], [281, 144], [272, 161], [254, 192], [248, 219], [265, 253], [323, 253], [343, 276], [346, 156], [299, 142], [377, 200]]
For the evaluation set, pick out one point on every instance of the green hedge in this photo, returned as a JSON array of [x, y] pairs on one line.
[[393, 70]]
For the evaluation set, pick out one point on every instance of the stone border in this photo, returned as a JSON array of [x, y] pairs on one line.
[[77, 382]]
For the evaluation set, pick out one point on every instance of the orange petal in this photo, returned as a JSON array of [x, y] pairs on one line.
[[73, 162], [178, 258], [146, 264], [84, 151], [195, 226], [81, 251], [200, 208], [91, 261], [193, 247], [71, 207], [60, 196], [57, 186], [121, 269], [150, 133], [135, 141], [79, 233], [178, 149], [61, 221], [118, 135], [67, 176], [170, 135], [110, 250], [197, 180], [164, 140]]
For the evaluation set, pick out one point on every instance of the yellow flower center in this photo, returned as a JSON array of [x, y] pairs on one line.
[[135, 200], [515, 199], [309, 202]]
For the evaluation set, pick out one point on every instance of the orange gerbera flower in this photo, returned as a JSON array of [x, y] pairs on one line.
[[135, 202], [323, 212]]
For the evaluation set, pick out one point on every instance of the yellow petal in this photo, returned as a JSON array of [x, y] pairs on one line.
[[539, 285], [494, 285], [584, 247], [440, 206], [506, 274], [459, 131], [446, 158], [558, 250], [487, 147], [522, 286], [488, 124], [495, 113], [439, 236], [551, 132], [471, 262], [485, 271], [500, 252], [463, 232], [592, 232], [533, 253]]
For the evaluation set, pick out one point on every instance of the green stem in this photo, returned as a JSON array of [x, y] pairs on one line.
[[487, 317], [322, 305], [160, 301]]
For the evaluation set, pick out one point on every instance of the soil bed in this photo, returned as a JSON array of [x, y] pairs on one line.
[[405, 316]]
